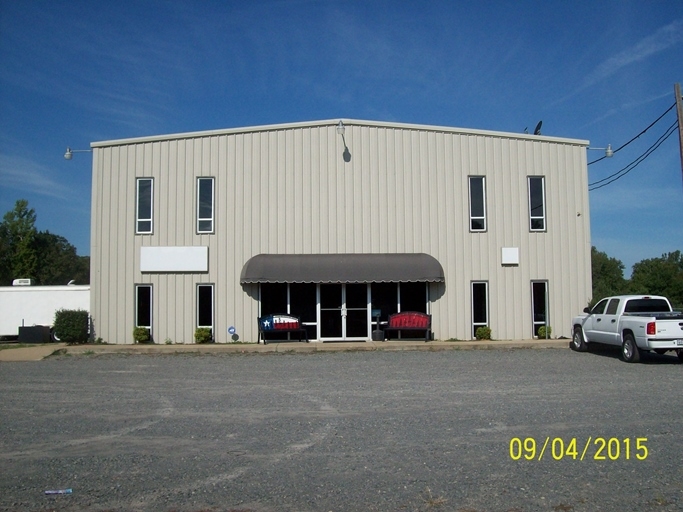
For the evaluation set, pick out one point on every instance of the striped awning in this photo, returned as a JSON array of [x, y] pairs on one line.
[[341, 268]]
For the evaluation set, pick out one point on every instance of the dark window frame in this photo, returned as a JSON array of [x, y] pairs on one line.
[[476, 324], [139, 220], [199, 309], [203, 220], [534, 217], [150, 300], [536, 323], [475, 218]]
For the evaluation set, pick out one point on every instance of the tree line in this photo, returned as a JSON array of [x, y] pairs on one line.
[[653, 276], [43, 257]]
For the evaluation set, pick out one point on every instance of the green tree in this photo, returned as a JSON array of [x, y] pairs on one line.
[[608, 275], [46, 258], [17, 238], [660, 276], [58, 262]]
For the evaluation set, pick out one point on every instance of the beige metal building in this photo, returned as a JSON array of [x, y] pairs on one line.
[[334, 221]]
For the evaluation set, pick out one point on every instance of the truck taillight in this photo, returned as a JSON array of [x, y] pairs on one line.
[[651, 328]]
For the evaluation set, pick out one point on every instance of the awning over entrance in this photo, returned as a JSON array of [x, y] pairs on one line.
[[341, 268]]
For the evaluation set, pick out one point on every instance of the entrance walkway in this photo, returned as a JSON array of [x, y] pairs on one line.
[[38, 352]]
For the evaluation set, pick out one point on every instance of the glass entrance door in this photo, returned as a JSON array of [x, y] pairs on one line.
[[344, 311]]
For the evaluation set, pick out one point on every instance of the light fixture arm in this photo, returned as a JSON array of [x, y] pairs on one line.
[[70, 152], [341, 130], [609, 153]]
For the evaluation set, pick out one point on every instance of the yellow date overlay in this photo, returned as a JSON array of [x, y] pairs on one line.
[[600, 448]]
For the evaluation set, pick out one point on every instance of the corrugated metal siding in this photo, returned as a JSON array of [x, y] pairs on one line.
[[288, 190]]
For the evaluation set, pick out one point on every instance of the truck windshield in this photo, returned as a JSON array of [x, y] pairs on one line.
[[646, 306]]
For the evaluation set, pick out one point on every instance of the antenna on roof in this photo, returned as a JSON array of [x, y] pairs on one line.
[[537, 130]]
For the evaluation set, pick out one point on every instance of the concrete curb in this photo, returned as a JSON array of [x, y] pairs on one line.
[[39, 352]]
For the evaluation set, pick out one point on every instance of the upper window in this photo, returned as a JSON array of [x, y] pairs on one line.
[[144, 206], [537, 203], [205, 198], [477, 203]]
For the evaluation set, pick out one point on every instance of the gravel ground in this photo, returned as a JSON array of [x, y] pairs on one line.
[[377, 431]]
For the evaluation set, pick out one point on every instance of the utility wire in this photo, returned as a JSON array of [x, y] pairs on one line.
[[641, 133], [625, 170]]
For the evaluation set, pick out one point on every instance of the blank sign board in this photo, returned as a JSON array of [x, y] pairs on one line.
[[174, 259]]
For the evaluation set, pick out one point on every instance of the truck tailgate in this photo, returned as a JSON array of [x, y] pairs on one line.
[[669, 330]]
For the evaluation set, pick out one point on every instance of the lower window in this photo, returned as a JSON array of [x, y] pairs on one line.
[[143, 305], [539, 304], [205, 305], [480, 306]]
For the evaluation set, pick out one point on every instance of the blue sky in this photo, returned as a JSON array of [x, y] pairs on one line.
[[74, 72]]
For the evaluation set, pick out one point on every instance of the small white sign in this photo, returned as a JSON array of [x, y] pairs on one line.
[[510, 256]]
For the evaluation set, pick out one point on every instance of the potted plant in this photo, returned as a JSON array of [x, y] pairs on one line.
[[142, 335], [544, 332], [203, 335], [483, 333]]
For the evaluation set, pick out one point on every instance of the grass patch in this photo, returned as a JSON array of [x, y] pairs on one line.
[[6, 346], [432, 501]]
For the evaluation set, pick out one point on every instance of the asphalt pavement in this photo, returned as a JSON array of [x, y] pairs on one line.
[[355, 430]]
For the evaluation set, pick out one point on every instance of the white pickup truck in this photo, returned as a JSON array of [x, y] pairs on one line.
[[636, 323]]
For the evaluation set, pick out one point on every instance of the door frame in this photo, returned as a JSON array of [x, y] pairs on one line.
[[343, 311]]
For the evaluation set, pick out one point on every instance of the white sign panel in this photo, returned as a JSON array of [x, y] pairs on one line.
[[510, 255], [174, 259]]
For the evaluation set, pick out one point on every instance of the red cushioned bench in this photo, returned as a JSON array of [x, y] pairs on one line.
[[409, 321], [280, 324]]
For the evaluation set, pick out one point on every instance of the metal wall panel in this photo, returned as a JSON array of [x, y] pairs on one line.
[[287, 189]]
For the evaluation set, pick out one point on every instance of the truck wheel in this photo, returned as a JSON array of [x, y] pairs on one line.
[[578, 342], [679, 353], [629, 349]]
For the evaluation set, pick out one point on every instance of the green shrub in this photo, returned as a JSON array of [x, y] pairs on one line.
[[142, 335], [542, 331], [203, 335], [71, 326], [483, 333]]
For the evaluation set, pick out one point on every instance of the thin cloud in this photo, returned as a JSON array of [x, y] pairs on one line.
[[626, 106], [664, 38], [27, 176]]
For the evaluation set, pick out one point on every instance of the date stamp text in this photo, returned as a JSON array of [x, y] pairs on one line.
[[599, 448]]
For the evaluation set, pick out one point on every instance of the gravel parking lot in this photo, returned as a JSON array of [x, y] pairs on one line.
[[343, 431]]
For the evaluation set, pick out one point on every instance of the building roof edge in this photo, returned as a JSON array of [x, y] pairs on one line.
[[334, 122]]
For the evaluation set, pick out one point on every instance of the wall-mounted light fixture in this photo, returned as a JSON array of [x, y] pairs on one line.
[[608, 151], [70, 152], [341, 130]]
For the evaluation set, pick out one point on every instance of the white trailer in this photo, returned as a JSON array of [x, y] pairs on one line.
[[25, 306]]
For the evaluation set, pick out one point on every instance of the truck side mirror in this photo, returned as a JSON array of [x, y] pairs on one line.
[[587, 310]]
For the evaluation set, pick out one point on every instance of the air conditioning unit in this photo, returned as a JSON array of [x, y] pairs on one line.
[[21, 282]]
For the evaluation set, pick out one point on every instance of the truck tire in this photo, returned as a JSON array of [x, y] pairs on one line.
[[629, 349], [578, 343]]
